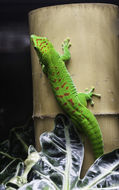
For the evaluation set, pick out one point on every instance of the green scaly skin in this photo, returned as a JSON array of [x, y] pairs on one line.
[[72, 102]]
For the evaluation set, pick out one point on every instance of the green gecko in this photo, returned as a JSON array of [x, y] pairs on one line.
[[72, 102]]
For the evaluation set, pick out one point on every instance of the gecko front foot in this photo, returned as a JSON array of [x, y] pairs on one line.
[[87, 96], [66, 43], [90, 94], [65, 47]]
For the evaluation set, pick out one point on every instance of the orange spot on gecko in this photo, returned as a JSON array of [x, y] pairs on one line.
[[65, 103], [58, 73], [71, 101], [67, 87], [79, 104], [40, 44], [55, 80], [63, 85], [57, 88], [60, 96], [66, 94], [59, 80], [43, 47], [37, 41]]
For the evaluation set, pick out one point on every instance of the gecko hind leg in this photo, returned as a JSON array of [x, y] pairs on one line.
[[65, 47], [87, 96]]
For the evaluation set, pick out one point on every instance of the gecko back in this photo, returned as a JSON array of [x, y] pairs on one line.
[[73, 103]]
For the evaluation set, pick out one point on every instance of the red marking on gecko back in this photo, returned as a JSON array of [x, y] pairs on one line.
[[55, 80], [63, 85], [57, 88], [67, 87], [37, 41], [59, 80], [43, 47], [40, 45], [60, 96], [58, 73], [65, 103], [71, 101], [66, 94]]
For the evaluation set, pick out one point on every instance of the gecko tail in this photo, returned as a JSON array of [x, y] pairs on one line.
[[96, 142], [90, 127], [98, 149]]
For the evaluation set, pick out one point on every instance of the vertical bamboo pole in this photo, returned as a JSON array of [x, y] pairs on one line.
[[93, 31]]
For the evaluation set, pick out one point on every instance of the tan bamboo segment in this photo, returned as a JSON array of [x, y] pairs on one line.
[[93, 30]]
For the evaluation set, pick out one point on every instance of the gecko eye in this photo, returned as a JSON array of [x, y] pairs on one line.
[[35, 48]]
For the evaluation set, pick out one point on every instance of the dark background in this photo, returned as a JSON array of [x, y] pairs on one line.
[[15, 64]]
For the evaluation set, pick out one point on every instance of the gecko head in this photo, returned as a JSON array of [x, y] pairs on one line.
[[42, 46]]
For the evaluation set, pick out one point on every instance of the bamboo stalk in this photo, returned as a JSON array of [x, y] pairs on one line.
[[93, 31]]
